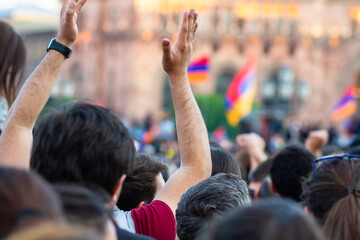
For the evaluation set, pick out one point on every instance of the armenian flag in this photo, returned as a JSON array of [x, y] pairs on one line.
[[241, 92], [347, 105], [198, 71]]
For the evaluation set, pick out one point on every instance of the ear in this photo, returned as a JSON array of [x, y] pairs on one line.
[[117, 189], [141, 204], [308, 211]]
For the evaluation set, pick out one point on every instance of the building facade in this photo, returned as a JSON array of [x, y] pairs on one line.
[[117, 59]]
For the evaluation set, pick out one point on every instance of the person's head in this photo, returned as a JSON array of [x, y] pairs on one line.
[[258, 175], [83, 144], [86, 208], [289, 168], [208, 200], [271, 220], [25, 200], [142, 183], [223, 162], [12, 61], [332, 193], [46, 231]]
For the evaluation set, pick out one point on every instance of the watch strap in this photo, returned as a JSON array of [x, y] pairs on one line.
[[55, 45]]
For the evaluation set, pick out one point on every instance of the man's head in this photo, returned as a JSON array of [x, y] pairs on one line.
[[142, 183], [271, 219], [82, 144], [289, 168], [209, 199], [222, 161], [87, 208]]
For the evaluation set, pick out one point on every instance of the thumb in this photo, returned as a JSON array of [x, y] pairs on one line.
[[70, 13], [166, 45]]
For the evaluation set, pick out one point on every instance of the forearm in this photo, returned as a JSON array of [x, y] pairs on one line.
[[256, 158], [191, 129], [16, 139], [35, 92]]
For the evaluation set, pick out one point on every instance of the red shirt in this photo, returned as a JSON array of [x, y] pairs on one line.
[[155, 220]]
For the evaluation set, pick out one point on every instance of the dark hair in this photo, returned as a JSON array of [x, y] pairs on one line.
[[289, 168], [84, 207], [243, 158], [328, 193], [271, 219], [262, 171], [12, 61], [266, 190], [82, 144], [223, 162], [141, 182], [53, 231], [209, 199], [25, 200]]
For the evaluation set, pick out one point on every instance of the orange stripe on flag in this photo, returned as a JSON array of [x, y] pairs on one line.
[[196, 78], [344, 112]]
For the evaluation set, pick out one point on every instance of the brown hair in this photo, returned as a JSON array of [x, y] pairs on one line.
[[140, 183], [12, 61], [332, 195], [53, 231], [25, 200]]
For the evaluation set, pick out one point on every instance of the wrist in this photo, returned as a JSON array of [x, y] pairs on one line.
[[68, 44]]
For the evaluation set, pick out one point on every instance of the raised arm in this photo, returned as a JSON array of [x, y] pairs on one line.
[[191, 129], [16, 138]]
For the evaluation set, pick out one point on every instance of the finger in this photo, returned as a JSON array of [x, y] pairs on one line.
[[70, 11], [196, 16], [190, 23], [184, 29], [166, 45], [194, 32], [79, 5], [65, 5], [196, 27]]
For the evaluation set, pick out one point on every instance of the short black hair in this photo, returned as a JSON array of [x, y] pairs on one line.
[[289, 169], [140, 183], [270, 219], [223, 162], [82, 144], [209, 199]]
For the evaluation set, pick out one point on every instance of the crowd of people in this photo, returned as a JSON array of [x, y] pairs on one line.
[[76, 174]]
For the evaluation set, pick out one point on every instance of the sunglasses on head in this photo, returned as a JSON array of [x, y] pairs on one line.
[[317, 162]]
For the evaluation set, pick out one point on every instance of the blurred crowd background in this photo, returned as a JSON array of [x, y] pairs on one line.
[[296, 62]]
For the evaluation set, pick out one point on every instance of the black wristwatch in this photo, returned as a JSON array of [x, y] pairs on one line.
[[64, 50]]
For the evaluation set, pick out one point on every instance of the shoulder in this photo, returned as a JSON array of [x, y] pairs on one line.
[[155, 220]]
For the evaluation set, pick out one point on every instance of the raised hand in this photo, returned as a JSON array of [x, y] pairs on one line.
[[254, 145], [316, 140], [176, 59], [68, 30]]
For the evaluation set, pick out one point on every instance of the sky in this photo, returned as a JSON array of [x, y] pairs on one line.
[[47, 4]]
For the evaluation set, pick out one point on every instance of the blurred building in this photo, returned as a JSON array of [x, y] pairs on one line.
[[36, 24], [308, 52]]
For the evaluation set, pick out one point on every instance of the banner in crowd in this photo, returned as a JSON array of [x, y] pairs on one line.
[[347, 105], [198, 71], [241, 92]]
